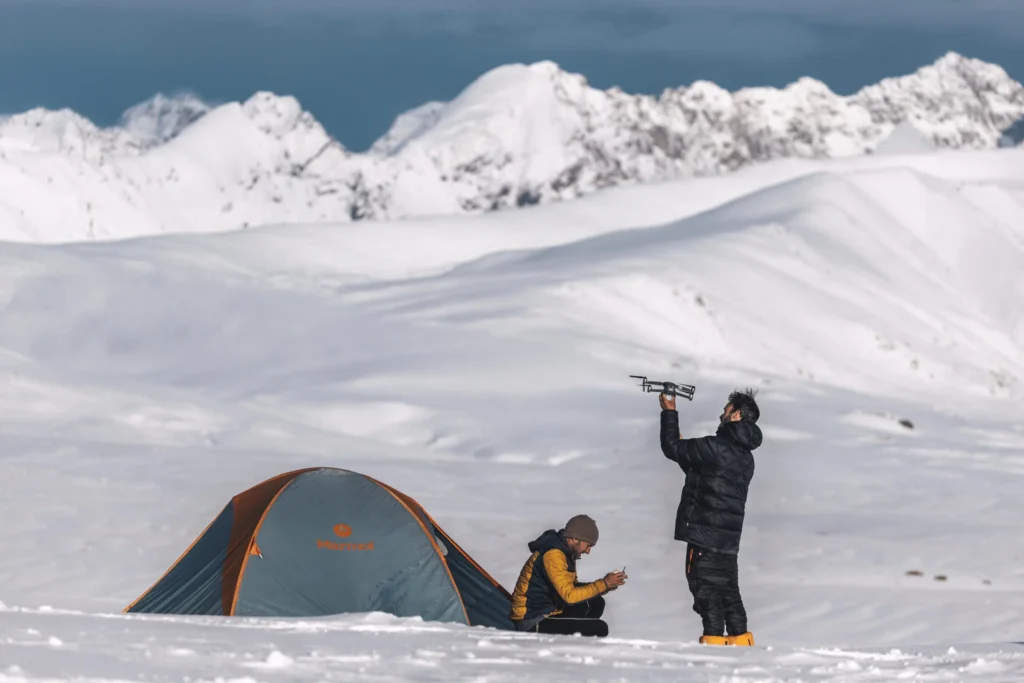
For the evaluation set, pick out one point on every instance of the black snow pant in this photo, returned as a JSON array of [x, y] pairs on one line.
[[714, 583], [582, 618]]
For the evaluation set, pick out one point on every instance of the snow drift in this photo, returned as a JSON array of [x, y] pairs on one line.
[[480, 364]]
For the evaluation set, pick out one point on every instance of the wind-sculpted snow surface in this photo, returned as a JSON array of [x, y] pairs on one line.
[[53, 645], [480, 365], [517, 136]]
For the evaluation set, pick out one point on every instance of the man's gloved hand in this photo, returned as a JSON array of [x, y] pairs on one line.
[[667, 402], [614, 579]]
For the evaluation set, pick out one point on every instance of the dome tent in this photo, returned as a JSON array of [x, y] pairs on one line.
[[322, 541]]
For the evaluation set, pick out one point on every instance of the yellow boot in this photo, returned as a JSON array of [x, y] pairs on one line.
[[714, 640], [742, 639]]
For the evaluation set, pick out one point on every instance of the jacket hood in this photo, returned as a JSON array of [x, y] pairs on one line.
[[548, 540], [746, 434]]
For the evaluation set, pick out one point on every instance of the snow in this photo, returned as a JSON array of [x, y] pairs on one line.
[[479, 363], [378, 647], [407, 126], [161, 118], [518, 135], [905, 139]]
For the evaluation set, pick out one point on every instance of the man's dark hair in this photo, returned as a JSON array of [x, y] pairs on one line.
[[744, 403]]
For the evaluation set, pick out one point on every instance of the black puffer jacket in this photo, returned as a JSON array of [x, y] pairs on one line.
[[718, 473]]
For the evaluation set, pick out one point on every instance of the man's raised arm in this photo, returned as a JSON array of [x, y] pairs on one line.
[[687, 452]]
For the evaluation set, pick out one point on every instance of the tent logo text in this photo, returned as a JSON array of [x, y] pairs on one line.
[[342, 531], [330, 545]]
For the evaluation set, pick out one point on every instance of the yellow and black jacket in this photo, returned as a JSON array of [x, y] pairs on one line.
[[548, 582]]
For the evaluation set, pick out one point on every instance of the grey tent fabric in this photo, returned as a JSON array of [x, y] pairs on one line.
[[486, 604], [386, 564], [193, 584], [322, 541]]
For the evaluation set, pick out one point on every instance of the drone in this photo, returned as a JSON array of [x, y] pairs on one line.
[[670, 388]]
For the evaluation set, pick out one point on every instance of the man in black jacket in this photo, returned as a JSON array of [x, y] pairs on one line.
[[710, 515]]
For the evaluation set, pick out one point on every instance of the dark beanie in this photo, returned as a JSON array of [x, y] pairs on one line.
[[582, 528]]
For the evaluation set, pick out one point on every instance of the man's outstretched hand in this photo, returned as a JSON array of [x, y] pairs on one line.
[[667, 402], [615, 579]]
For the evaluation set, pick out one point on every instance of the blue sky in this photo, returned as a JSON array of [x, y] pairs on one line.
[[356, 65]]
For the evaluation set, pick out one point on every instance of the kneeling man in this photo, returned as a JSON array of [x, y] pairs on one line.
[[548, 598]]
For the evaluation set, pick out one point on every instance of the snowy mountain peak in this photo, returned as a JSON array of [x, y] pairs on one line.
[[277, 115], [162, 118], [510, 85], [301, 137], [959, 102], [519, 134], [47, 129], [546, 67], [966, 67], [810, 86], [950, 73], [407, 126], [65, 132], [952, 59]]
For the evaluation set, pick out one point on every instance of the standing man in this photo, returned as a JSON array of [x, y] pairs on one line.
[[548, 598], [710, 515]]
